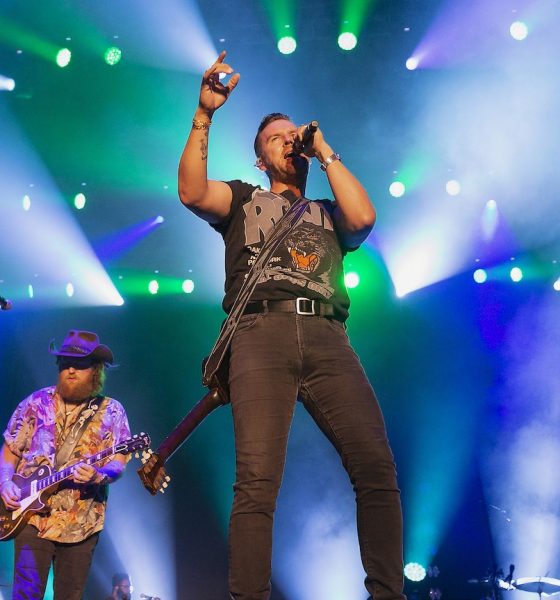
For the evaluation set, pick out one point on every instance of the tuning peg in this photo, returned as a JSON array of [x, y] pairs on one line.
[[136, 455], [167, 478]]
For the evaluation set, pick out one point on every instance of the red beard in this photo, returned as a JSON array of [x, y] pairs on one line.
[[73, 391]]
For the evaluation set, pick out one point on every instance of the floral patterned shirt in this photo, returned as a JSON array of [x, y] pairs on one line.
[[35, 431]]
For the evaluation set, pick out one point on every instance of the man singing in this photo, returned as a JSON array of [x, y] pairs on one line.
[[291, 340]]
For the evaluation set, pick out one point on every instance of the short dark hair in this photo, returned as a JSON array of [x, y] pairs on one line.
[[118, 577], [265, 121]]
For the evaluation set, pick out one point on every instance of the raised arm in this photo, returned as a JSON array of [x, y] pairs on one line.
[[355, 214], [210, 200]]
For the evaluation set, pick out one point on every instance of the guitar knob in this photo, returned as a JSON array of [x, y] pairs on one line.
[[164, 484]]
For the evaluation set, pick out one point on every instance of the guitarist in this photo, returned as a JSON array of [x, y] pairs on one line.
[[56, 426], [291, 340]]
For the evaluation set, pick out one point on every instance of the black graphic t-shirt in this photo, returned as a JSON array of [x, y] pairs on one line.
[[308, 263]]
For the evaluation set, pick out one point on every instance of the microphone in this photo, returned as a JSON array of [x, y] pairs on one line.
[[310, 129], [5, 304]]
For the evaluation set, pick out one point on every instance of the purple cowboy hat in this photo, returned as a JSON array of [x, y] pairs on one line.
[[83, 344]]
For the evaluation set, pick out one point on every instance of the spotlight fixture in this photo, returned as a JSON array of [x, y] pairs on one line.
[[7, 84], [518, 31], [412, 63], [113, 55], [153, 286], [414, 571], [347, 41], [480, 276], [63, 57], [516, 274], [79, 201], [287, 44], [188, 286], [453, 187], [351, 279], [397, 189]]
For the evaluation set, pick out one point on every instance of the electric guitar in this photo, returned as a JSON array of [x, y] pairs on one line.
[[37, 487]]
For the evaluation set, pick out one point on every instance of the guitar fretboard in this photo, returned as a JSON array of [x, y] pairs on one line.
[[58, 476]]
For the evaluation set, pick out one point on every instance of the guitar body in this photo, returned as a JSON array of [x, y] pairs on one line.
[[37, 487], [13, 521]]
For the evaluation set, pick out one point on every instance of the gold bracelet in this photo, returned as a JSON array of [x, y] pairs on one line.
[[196, 124]]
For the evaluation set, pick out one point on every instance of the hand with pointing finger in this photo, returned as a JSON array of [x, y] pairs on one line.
[[213, 93]]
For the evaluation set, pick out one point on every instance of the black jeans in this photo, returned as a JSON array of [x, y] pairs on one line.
[[276, 357], [33, 558]]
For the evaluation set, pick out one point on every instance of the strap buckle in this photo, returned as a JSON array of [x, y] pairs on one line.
[[300, 306]]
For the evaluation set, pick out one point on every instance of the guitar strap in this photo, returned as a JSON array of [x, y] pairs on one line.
[[279, 232], [71, 441]]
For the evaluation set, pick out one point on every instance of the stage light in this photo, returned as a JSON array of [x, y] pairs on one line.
[[453, 187], [69, 290], [397, 189], [347, 40], [63, 57], [516, 274], [351, 279], [414, 571], [492, 205], [556, 285], [79, 201], [287, 44], [188, 286], [30, 292], [26, 202], [7, 84], [153, 286], [112, 55], [480, 276], [159, 219], [412, 63], [518, 31]]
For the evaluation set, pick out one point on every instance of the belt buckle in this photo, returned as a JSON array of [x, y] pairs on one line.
[[301, 311]]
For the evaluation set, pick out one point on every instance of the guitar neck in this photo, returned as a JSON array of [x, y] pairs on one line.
[[190, 422], [65, 473]]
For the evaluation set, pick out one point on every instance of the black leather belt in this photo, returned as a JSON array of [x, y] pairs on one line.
[[299, 306]]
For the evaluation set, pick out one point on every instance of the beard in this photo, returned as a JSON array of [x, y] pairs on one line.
[[75, 392]]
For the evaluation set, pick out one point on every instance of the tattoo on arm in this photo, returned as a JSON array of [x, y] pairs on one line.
[[204, 147]]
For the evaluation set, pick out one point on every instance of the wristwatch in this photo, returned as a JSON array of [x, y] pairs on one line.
[[330, 159]]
